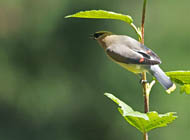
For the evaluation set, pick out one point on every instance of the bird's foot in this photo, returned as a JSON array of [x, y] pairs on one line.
[[143, 81]]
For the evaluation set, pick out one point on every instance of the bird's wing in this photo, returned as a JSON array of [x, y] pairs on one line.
[[138, 47], [150, 53], [126, 55]]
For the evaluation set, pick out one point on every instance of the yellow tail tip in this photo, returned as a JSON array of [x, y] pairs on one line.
[[171, 89]]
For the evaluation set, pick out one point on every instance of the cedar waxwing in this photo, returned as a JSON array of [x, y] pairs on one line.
[[133, 56]]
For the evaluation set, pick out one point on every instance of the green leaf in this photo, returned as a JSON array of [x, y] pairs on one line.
[[144, 122], [185, 89], [182, 78], [102, 14]]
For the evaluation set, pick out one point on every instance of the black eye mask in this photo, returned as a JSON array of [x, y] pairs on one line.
[[96, 35]]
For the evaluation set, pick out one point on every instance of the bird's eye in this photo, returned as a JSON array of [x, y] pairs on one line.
[[96, 35]]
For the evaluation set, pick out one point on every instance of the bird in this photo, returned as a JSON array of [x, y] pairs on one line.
[[133, 56]]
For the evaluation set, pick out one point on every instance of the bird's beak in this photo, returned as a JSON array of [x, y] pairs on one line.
[[92, 36]]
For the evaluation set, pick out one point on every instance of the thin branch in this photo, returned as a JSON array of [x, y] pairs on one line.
[[145, 136], [144, 84], [143, 20], [144, 73], [138, 32]]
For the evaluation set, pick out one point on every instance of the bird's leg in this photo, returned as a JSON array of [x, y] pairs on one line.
[[143, 81]]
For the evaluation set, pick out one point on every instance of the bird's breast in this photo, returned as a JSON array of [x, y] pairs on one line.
[[133, 67]]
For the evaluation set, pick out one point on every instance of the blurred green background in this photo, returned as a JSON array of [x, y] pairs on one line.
[[53, 76]]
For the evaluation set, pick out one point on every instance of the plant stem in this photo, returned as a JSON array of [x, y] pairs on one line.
[[143, 20], [144, 84], [136, 30], [145, 93]]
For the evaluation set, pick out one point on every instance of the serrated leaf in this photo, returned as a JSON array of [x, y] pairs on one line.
[[185, 89], [126, 109], [182, 78], [102, 14], [144, 122]]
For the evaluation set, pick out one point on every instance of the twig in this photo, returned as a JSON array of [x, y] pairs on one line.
[[144, 84], [143, 20]]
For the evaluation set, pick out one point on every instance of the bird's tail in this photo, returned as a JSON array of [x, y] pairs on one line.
[[162, 78]]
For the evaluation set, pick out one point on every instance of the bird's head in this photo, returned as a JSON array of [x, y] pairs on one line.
[[100, 35]]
